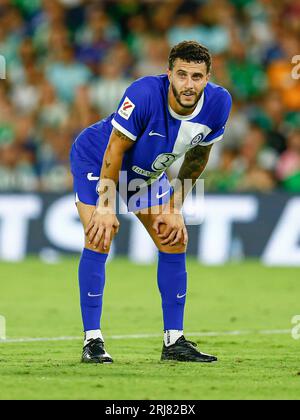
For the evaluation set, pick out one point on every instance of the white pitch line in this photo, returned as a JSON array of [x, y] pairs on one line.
[[137, 336]]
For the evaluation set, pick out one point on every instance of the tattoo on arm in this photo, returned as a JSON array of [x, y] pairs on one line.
[[194, 163], [121, 135]]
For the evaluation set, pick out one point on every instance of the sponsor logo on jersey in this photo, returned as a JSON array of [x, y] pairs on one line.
[[144, 172], [153, 133], [92, 177], [126, 108], [141, 171], [158, 196]]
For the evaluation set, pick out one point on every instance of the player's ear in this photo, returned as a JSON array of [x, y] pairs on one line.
[[169, 73]]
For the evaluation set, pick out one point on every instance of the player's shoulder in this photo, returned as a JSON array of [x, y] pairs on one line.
[[217, 105], [146, 94], [148, 84], [217, 94]]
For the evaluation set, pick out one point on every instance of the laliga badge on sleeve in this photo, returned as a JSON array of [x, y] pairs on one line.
[[126, 108]]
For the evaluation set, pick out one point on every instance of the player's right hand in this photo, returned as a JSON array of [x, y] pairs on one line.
[[102, 227], [175, 231]]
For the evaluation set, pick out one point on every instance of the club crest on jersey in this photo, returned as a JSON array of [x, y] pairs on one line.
[[196, 140], [126, 108]]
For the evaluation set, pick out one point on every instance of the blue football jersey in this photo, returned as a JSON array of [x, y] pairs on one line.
[[161, 136]]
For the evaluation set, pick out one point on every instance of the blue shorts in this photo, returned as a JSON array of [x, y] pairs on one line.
[[86, 165], [85, 189]]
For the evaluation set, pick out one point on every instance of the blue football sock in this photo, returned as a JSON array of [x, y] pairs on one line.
[[172, 283], [91, 283]]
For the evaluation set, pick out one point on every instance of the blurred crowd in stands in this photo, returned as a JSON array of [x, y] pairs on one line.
[[69, 62]]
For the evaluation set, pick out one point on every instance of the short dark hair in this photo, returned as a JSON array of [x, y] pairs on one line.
[[190, 51]]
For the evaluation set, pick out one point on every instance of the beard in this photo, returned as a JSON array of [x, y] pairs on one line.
[[178, 98]]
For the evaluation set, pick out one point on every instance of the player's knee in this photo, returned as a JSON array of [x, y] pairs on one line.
[[99, 249], [175, 249]]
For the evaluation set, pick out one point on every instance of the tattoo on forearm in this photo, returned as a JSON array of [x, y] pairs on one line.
[[121, 135], [107, 164], [194, 163]]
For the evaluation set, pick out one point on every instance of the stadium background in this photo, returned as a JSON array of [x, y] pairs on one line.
[[68, 63]]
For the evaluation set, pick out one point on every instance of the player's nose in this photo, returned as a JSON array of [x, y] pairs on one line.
[[189, 83]]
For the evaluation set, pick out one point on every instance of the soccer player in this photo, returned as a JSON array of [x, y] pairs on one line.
[[160, 118]]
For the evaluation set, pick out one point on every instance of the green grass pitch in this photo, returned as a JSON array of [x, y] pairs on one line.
[[41, 300]]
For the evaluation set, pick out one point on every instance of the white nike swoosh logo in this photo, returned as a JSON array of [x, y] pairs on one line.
[[158, 196], [90, 295], [152, 133], [91, 177], [180, 296]]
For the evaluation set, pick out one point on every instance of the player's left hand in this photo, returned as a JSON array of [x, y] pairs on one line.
[[175, 231]]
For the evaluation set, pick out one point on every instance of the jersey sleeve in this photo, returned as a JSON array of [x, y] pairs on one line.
[[222, 114], [134, 111]]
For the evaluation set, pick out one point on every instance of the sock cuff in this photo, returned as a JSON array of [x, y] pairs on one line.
[[92, 255], [163, 256]]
